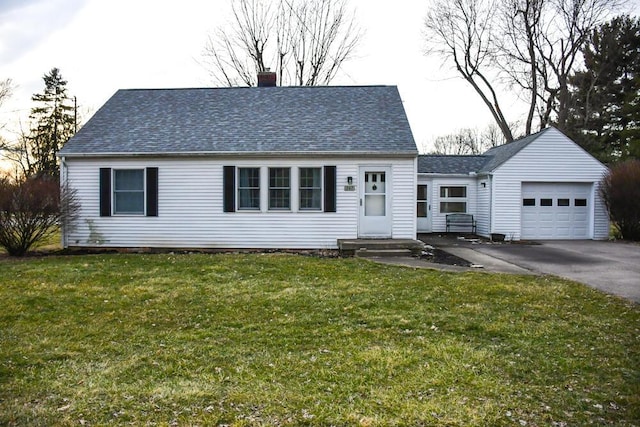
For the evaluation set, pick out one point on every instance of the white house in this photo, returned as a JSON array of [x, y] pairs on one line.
[[543, 186], [265, 167]]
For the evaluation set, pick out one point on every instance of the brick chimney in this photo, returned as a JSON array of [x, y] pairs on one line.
[[266, 78]]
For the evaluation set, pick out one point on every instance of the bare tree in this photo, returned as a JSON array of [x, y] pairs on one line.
[[531, 46], [559, 51], [520, 25], [468, 141], [460, 30], [20, 154], [304, 41], [6, 87]]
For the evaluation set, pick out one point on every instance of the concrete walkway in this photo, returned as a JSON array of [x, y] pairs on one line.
[[478, 260]]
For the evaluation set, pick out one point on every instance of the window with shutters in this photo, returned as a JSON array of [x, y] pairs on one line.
[[128, 192], [303, 189]]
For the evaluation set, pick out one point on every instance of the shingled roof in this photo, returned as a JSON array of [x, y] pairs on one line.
[[484, 163], [450, 165], [324, 119]]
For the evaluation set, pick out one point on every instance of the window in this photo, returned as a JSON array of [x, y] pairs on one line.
[[244, 188], [422, 201], [128, 191], [453, 199], [563, 202], [528, 202], [310, 189], [279, 188], [446, 192], [249, 188], [580, 202], [546, 202]]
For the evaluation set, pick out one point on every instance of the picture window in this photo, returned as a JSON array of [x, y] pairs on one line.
[[453, 199]]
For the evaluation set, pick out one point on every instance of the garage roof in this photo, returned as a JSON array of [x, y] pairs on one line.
[[464, 165]]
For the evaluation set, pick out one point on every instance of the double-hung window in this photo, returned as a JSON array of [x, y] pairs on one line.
[[249, 188], [453, 199], [310, 189], [279, 188], [128, 191]]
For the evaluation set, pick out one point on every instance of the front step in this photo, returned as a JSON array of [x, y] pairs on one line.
[[382, 253], [379, 246]]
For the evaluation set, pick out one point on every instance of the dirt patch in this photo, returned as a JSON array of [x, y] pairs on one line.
[[438, 256]]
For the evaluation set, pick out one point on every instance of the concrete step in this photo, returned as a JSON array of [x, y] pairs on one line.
[[350, 246], [382, 253]]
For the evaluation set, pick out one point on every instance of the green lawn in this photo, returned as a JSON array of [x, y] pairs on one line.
[[291, 340]]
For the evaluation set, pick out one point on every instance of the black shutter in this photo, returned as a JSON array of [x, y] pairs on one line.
[[329, 188], [152, 191], [105, 191], [229, 191]]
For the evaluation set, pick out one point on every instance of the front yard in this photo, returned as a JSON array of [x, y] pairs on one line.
[[277, 339]]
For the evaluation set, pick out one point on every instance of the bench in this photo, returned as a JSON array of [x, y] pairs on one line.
[[461, 220]]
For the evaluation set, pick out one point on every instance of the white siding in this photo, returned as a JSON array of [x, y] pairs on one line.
[[403, 200], [439, 219], [552, 157], [483, 208], [190, 207]]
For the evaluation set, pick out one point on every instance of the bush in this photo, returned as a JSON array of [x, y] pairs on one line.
[[620, 189], [31, 211]]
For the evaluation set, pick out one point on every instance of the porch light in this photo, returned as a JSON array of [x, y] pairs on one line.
[[349, 180]]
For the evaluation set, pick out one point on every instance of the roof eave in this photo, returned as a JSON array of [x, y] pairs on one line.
[[452, 175], [270, 154]]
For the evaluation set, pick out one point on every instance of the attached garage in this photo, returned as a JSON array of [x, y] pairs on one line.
[[556, 210], [540, 187]]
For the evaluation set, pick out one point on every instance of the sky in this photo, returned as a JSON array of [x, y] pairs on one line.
[[101, 46]]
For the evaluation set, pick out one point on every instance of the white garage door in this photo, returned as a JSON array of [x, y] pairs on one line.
[[556, 210]]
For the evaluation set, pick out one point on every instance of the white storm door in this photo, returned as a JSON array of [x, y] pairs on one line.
[[375, 206], [423, 207]]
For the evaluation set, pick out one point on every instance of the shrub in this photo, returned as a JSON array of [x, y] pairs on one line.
[[620, 189], [31, 211]]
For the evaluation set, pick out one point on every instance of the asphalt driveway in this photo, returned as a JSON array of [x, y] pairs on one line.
[[613, 267]]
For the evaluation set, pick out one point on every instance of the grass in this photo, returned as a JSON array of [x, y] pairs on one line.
[[246, 340]]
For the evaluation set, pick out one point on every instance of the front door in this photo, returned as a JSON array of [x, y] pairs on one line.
[[423, 208], [375, 206]]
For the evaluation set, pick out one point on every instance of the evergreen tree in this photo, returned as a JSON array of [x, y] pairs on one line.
[[53, 124], [604, 116]]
